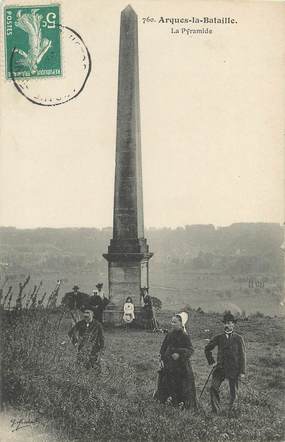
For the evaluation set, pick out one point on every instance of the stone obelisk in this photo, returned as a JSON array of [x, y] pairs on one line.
[[128, 254]]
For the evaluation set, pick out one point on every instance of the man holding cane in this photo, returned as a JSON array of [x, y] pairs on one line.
[[231, 360]]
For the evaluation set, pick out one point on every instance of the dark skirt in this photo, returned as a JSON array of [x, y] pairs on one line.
[[88, 359], [179, 385]]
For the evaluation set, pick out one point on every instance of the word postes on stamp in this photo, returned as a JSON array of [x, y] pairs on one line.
[[32, 41]]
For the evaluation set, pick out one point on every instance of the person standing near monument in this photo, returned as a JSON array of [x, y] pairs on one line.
[[99, 302], [99, 287], [73, 302], [87, 336], [176, 379], [148, 311], [231, 361]]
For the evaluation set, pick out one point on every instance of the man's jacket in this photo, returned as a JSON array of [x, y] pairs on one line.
[[231, 354], [88, 337], [99, 306]]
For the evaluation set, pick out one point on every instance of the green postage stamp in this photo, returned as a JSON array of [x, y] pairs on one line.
[[32, 41]]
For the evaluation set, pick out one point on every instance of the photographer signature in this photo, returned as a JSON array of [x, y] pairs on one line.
[[18, 424]]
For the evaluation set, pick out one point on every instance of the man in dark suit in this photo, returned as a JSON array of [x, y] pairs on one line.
[[87, 336], [231, 360], [75, 299]]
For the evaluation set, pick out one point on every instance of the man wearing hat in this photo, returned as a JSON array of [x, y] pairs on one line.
[[87, 336], [231, 361], [75, 299], [99, 286]]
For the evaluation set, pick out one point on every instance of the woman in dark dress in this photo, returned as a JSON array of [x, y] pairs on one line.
[[176, 378]]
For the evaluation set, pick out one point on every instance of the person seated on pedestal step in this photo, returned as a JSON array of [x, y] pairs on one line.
[[99, 302], [129, 311]]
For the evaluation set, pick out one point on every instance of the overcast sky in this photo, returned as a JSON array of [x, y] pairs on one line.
[[212, 119]]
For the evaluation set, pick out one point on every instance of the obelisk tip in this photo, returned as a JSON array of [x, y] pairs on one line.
[[129, 10]]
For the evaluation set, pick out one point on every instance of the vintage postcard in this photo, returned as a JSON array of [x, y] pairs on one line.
[[142, 234]]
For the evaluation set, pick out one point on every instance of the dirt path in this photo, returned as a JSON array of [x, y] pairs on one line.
[[16, 428]]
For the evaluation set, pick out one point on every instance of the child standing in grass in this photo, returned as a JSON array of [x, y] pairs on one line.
[[176, 379]]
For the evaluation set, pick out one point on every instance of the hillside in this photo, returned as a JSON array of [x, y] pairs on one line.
[[196, 246], [199, 264]]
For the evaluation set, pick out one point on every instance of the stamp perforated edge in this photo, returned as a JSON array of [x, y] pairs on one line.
[[28, 3]]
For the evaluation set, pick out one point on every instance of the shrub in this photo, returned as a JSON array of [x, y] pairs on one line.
[[257, 314], [157, 303]]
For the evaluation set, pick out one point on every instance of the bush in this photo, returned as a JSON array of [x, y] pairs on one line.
[[257, 314], [157, 303]]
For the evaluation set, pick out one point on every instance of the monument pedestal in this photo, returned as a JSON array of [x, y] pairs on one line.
[[127, 270], [127, 274]]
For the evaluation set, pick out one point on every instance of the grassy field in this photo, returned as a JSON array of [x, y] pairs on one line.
[[117, 404]]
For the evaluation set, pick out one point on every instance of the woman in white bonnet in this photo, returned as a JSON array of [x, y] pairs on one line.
[[184, 319], [176, 378]]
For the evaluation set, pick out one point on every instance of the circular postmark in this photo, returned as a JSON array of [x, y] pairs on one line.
[[54, 91]]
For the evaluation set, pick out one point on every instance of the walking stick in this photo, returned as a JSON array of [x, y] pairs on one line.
[[210, 374]]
